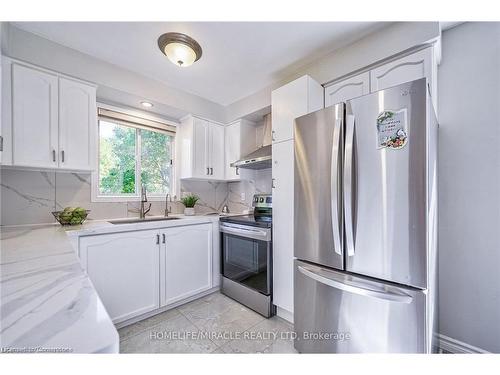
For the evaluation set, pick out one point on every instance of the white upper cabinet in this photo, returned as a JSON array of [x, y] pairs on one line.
[[34, 118], [297, 98], [77, 124], [240, 141], [53, 121], [346, 89], [418, 65], [217, 152], [201, 149]]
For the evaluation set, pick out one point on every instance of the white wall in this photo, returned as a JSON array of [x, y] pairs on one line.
[[374, 47], [469, 185]]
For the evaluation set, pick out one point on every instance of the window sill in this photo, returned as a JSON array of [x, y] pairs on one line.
[[115, 199]]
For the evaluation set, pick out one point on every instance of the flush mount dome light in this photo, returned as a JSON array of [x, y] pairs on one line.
[[181, 49]]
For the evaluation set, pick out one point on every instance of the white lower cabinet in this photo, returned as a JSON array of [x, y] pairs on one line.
[[138, 272], [124, 268], [186, 262]]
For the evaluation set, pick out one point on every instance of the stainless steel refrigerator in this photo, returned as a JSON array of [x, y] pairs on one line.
[[365, 239]]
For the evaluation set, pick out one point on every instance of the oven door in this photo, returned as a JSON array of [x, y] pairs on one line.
[[246, 256]]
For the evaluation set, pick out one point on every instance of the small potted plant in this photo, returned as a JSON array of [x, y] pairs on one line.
[[189, 201]]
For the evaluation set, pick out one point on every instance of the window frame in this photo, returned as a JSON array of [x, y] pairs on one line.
[[135, 197]]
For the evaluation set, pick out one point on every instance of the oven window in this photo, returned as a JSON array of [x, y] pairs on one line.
[[245, 261]]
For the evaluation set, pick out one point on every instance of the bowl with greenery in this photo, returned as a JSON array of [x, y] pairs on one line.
[[189, 201], [71, 216]]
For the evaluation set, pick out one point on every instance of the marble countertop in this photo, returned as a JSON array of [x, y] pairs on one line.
[[47, 300]]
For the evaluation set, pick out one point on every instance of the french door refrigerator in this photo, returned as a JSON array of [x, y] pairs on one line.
[[365, 224]]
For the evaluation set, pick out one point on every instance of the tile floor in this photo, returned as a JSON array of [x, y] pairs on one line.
[[212, 324]]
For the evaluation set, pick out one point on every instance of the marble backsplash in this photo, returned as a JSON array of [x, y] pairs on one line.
[[257, 182], [29, 197]]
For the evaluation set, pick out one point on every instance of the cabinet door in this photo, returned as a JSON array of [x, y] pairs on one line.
[[34, 118], [406, 69], [283, 191], [77, 124], [124, 268], [233, 141], [186, 262], [347, 89], [297, 98], [287, 103], [200, 148], [216, 152]]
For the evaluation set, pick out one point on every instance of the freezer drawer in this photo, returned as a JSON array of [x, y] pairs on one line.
[[337, 312]]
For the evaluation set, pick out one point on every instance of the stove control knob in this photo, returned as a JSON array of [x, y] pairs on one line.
[[261, 200]]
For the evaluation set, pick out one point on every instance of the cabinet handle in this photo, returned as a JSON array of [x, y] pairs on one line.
[[1, 143], [54, 156], [157, 239], [208, 171], [273, 185], [62, 156], [211, 171], [272, 135], [163, 236], [237, 171]]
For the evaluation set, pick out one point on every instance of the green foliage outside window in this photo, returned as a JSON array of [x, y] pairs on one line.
[[117, 160]]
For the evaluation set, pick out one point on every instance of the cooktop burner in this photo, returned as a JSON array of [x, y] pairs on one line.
[[254, 221]]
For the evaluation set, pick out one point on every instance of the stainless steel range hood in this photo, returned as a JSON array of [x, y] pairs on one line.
[[259, 159]]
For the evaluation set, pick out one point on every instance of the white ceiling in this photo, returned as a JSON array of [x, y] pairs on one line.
[[239, 58]]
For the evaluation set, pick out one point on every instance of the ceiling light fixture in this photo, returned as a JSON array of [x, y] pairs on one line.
[[180, 49], [147, 104]]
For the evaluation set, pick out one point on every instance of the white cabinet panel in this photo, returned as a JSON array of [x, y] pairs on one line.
[[297, 98], [232, 138], [283, 197], [216, 151], [77, 124], [124, 268], [200, 148], [240, 140], [347, 89], [34, 118], [405, 69], [187, 262]]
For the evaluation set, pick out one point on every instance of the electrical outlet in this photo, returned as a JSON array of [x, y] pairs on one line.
[[243, 197]]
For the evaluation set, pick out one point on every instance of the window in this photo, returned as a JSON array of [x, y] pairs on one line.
[[133, 152]]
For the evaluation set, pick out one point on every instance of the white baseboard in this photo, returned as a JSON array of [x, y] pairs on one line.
[[457, 347], [284, 314]]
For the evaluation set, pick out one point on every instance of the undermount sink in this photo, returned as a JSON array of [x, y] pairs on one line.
[[145, 220]]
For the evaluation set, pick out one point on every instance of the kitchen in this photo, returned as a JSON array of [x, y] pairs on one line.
[[150, 207]]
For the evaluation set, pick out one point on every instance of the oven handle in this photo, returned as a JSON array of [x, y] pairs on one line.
[[246, 232]]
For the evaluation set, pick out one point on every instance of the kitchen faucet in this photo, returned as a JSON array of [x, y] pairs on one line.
[[144, 199], [167, 209]]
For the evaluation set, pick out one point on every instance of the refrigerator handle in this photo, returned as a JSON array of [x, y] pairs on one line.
[[353, 287], [348, 184], [334, 186]]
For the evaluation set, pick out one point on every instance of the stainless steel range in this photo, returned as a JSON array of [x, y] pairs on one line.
[[246, 263]]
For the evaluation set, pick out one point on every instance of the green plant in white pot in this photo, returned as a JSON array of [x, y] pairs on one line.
[[189, 202]]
